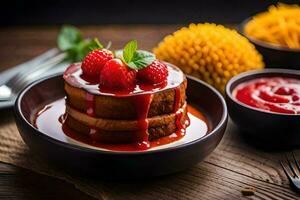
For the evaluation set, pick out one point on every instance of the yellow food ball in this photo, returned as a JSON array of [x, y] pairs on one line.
[[210, 52]]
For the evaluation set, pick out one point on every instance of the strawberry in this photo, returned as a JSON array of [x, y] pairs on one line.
[[154, 73], [94, 62], [116, 75]]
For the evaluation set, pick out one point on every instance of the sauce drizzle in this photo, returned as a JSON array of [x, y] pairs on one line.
[[142, 104]]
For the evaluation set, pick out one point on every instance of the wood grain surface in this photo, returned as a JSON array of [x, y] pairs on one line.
[[18, 183], [233, 166]]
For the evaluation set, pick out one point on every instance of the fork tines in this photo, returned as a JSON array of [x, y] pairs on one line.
[[292, 170]]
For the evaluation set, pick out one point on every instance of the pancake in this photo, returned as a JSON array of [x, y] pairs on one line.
[[120, 125]]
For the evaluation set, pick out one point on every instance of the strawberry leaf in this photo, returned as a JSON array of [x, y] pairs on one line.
[[97, 44]]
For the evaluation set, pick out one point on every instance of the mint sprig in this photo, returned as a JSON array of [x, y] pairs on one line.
[[129, 50], [68, 37], [136, 59], [70, 40]]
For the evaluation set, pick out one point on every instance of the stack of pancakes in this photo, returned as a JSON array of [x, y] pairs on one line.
[[114, 119]]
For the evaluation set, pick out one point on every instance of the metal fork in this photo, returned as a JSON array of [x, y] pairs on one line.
[[9, 73], [17, 82], [294, 176]]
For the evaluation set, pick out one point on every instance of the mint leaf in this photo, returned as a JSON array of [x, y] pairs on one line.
[[135, 59], [68, 37], [140, 60], [129, 51], [83, 48], [78, 52], [70, 41]]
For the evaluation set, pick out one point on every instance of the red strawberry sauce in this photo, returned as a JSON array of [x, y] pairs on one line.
[[142, 104], [142, 97], [274, 94], [50, 120]]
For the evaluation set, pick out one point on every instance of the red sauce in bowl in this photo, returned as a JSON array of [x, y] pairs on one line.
[[274, 94]]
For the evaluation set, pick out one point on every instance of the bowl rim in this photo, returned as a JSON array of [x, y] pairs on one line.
[[229, 89], [268, 45], [18, 114]]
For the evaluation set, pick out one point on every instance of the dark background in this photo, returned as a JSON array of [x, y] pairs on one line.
[[91, 12]]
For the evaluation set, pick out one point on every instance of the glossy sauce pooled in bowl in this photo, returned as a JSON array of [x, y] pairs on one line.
[[49, 120], [274, 94]]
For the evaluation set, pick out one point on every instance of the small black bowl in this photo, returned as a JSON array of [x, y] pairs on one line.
[[112, 164], [263, 128], [274, 56]]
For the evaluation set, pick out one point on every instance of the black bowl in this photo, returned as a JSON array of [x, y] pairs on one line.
[[274, 56], [112, 164], [263, 128]]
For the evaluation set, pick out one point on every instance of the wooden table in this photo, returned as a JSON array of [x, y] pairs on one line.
[[233, 166]]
